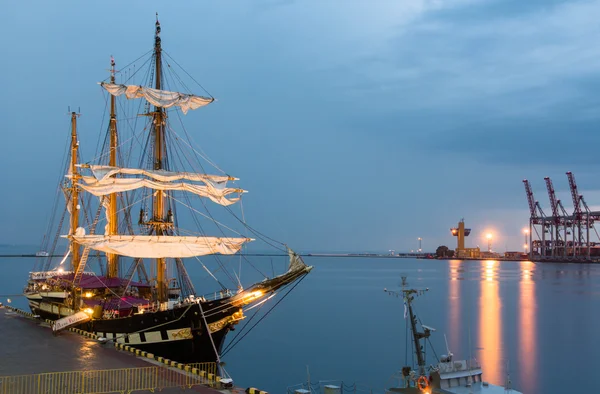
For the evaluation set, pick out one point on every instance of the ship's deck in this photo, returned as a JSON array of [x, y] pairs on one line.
[[32, 349], [476, 388]]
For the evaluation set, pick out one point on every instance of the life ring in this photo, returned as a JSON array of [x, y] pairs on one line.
[[422, 383]]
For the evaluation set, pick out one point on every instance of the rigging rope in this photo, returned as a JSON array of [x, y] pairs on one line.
[[258, 233], [198, 83], [59, 190], [129, 64], [242, 329], [206, 216], [198, 224], [202, 154], [209, 215], [232, 345]]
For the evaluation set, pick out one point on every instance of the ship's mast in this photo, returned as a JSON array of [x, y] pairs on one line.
[[417, 336], [408, 296], [74, 192], [158, 208], [113, 259]]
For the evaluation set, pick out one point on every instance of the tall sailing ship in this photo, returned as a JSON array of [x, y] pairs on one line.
[[160, 312]]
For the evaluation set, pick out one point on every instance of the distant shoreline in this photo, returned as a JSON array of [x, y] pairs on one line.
[[423, 256]]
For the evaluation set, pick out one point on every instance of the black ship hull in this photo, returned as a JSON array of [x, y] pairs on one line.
[[179, 334]]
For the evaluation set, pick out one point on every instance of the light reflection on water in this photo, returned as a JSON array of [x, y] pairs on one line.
[[490, 327], [527, 326], [454, 311]]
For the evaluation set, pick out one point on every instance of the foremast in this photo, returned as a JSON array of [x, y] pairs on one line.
[[113, 223], [74, 200], [158, 203]]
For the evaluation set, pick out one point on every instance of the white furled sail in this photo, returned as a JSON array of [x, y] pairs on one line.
[[117, 185], [103, 172], [159, 98], [154, 247]]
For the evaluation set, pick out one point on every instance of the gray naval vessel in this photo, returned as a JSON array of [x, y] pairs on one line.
[[448, 376]]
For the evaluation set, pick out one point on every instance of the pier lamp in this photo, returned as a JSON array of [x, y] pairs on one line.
[[420, 239], [526, 232], [489, 238]]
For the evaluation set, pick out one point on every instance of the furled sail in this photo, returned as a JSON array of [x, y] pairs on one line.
[[103, 172], [118, 185], [159, 98], [102, 182], [152, 246]]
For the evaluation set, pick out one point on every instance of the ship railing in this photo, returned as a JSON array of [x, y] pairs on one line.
[[459, 366], [473, 364], [104, 381], [330, 387], [218, 295], [39, 275]]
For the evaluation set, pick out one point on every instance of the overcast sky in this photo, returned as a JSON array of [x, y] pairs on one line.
[[356, 125]]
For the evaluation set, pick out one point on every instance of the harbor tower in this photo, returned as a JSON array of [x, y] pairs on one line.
[[461, 232]]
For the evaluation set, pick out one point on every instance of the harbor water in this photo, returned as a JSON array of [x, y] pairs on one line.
[[533, 321]]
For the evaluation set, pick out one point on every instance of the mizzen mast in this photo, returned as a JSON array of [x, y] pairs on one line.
[[158, 203], [113, 224], [75, 250]]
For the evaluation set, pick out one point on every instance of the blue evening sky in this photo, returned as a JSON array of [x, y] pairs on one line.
[[356, 125]]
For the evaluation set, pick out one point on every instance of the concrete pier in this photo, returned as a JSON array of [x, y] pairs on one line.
[[27, 346]]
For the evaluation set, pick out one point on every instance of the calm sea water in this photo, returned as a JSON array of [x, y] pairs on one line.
[[539, 319]]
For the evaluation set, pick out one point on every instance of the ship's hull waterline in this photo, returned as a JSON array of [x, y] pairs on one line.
[[179, 334]]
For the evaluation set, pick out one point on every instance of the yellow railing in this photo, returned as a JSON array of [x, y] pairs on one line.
[[110, 380], [207, 370]]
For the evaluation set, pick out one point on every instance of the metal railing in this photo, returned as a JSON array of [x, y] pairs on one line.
[[209, 368], [459, 366], [109, 381], [330, 387]]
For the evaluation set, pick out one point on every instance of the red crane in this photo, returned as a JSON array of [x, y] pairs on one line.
[[574, 196], [534, 206], [530, 199], [579, 221], [556, 218], [553, 200]]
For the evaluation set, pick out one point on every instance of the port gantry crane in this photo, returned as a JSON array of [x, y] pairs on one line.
[[537, 217], [592, 217], [558, 222], [577, 215], [561, 225], [583, 220]]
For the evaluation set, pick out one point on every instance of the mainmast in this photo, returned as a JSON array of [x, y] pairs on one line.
[[113, 259], [158, 208], [75, 255]]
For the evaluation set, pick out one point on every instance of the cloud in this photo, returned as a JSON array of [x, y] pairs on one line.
[[440, 60], [554, 143], [510, 85], [326, 34]]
